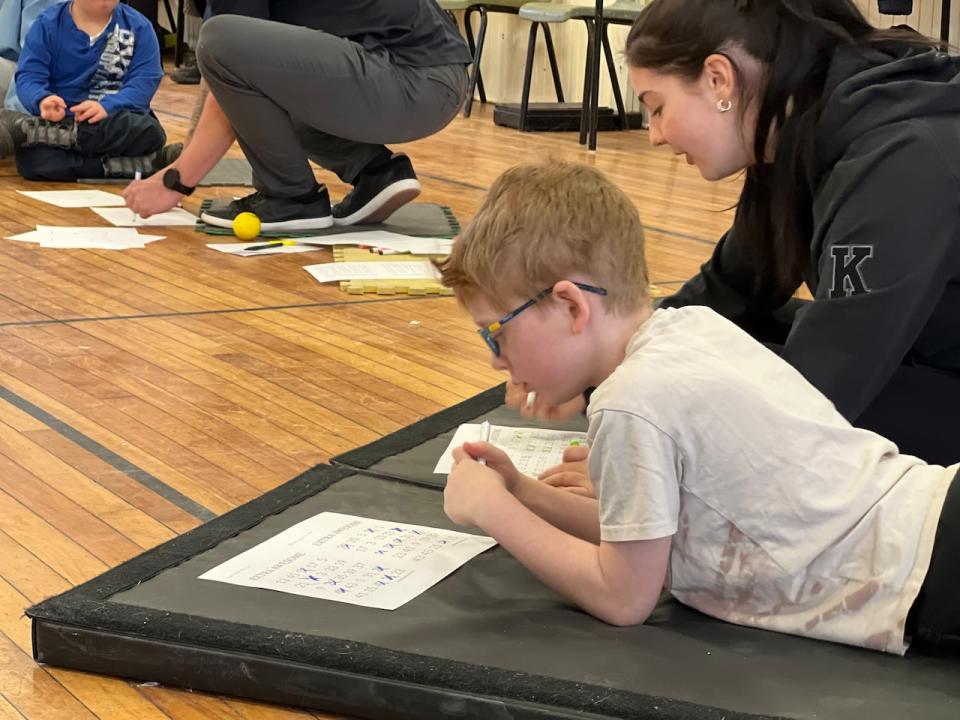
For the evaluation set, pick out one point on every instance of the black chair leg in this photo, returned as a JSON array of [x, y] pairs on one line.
[[527, 76], [177, 30], [595, 79], [476, 51], [585, 101], [170, 13], [481, 40], [548, 38], [622, 119]]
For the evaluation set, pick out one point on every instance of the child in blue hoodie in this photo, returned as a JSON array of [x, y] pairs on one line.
[[86, 75]]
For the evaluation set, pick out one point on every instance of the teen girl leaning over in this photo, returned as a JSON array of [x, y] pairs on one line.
[[849, 138]]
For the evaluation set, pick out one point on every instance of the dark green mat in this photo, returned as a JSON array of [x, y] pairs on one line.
[[417, 219], [229, 171]]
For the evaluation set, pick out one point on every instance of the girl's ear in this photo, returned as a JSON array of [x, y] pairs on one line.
[[720, 78], [575, 305]]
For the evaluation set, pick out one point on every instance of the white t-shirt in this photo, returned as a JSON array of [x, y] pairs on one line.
[[783, 515]]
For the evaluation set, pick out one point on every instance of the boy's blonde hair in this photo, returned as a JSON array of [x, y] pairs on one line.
[[545, 222]]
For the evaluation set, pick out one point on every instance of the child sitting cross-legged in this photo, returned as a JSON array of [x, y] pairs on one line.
[[86, 76], [719, 471]]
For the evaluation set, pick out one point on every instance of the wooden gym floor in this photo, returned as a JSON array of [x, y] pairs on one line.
[[144, 391]]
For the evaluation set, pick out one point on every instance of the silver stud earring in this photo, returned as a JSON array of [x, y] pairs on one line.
[[724, 105]]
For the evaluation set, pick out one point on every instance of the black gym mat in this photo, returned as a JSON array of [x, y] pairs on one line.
[[489, 641]]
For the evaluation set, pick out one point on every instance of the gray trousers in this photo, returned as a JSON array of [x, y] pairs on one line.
[[293, 93]]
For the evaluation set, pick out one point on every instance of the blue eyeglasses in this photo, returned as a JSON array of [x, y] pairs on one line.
[[487, 332]]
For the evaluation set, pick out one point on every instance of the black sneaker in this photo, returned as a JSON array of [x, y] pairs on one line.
[[277, 214], [378, 194]]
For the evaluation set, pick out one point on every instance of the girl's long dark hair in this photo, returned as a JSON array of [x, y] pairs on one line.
[[795, 40]]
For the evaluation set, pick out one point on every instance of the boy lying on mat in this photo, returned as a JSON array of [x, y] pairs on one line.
[[718, 470]]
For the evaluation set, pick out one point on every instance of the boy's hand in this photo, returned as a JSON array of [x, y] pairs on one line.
[[572, 474], [495, 458], [89, 111], [53, 108], [517, 397], [472, 490]]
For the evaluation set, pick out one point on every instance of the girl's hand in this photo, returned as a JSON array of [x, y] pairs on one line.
[[572, 474]]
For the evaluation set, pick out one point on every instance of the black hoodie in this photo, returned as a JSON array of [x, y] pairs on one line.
[[885, 262], [415, 32]]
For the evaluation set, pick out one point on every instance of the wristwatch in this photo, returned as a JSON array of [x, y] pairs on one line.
[[171, 181]]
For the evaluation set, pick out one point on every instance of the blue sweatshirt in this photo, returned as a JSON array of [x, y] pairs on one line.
[[121, 69]]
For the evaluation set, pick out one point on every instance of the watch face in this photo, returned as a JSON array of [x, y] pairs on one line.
[[171, 178]]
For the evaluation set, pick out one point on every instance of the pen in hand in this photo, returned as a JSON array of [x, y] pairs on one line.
[[137, 175], [484, 437]]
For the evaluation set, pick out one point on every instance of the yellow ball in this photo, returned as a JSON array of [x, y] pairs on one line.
[[246, 226]]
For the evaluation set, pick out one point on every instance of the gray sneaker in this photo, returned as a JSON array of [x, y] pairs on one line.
[[7, 146], [187, 74], [146, 165], [12, 132]]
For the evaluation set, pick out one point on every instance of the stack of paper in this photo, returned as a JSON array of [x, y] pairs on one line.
[[395, 242], [409, 270], [95, 238]]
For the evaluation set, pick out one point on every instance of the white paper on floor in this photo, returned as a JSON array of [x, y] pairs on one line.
[[90, 238], [124, 217], [75, 198], [352, 559]]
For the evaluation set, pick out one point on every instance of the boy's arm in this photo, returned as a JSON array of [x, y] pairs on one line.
[[33, 68], [567, 511], [143, 76], [618, 583], [574, 514]]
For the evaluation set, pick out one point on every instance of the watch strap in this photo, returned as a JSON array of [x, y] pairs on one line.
[[171, 180]]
